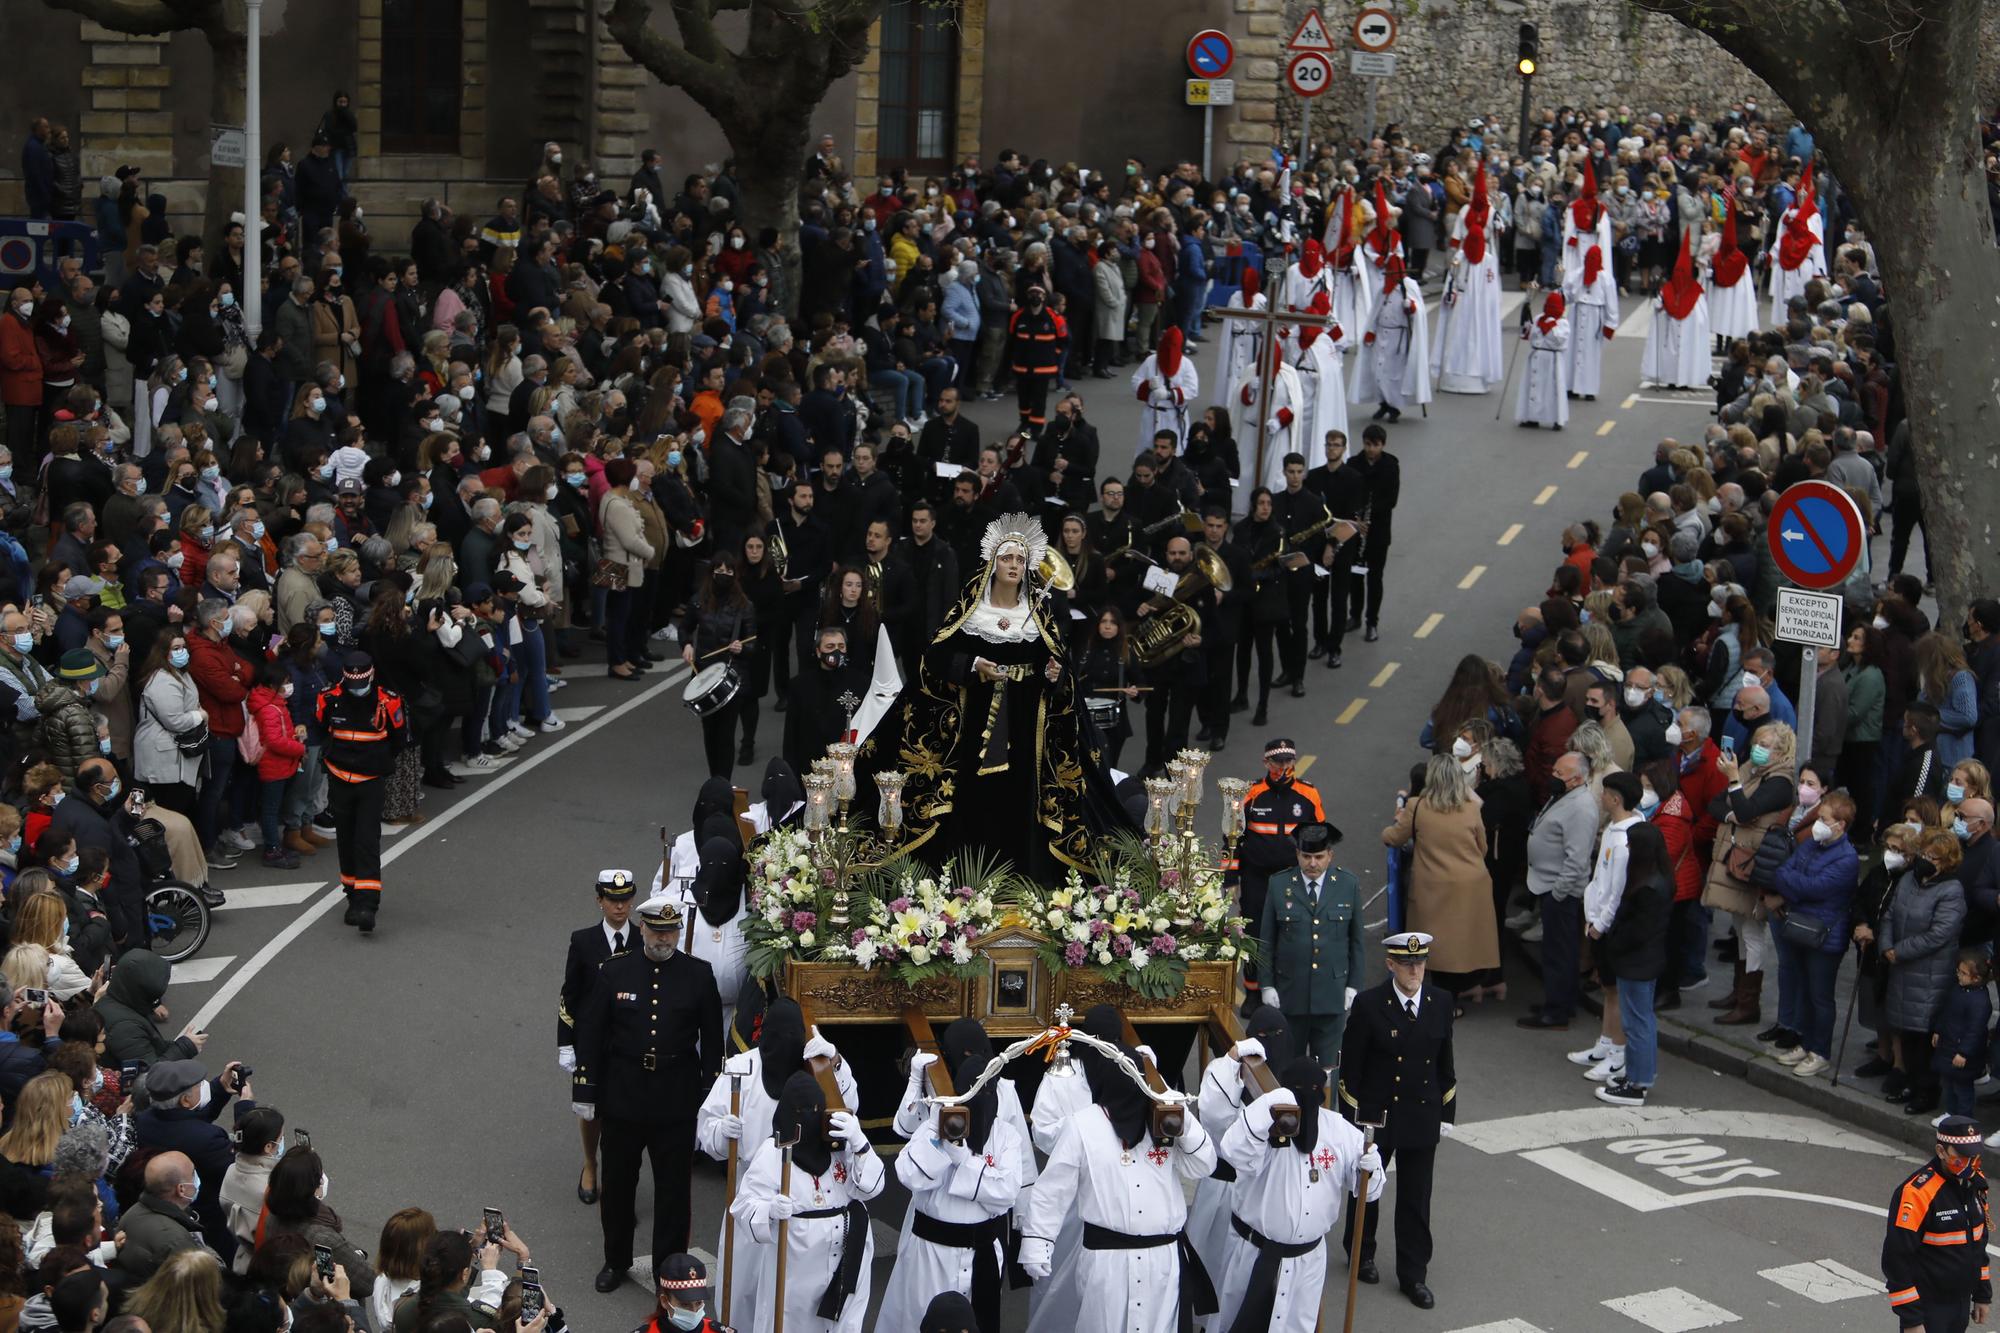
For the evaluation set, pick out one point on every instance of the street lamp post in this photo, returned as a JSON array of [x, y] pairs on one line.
[[252, 296]]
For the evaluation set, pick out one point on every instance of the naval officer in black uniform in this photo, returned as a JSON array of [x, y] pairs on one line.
[[648, 1044], [1396, 1072], [588, 949]]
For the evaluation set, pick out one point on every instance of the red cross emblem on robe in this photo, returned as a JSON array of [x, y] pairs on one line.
[[1157, 1156], [840, 1173], [1323, 1159]]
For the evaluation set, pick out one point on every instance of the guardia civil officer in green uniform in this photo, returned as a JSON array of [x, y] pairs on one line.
[[1311, 936]]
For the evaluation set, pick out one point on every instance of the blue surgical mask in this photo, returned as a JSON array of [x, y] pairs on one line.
[[326, 469], [103, 744], [1958, 828], [522, 546], [178, 659], [6, 472], [428, 497], [75, 1107], [577, 479], [211, 472], [14, 845], [687, 1319], [117, 785], [257, 529], [69, 867], [1954, 792], [24, 643], [208, 532], [329, 629], [674, 455], [228, 300], [1760, 755]]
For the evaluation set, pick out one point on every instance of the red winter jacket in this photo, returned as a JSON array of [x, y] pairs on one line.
[[222, 679], [20, 363], [282, 748]]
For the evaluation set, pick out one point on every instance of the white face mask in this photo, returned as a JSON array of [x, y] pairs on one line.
[[1461, 748], [1750, 680], [1822, 831], [1894, 860], [1652, 550], [1880, 623], [1674, 735], [1634, 696], [465, 392]]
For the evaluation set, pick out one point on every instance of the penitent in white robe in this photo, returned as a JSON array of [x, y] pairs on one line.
[[1219, 1104], [1395, 368], [1676, 352], [1052, 1298], [1136, 1193], [1592, 309], [813, 1245], [1465, 351], [1789, 282], [1732, 311], [1543, 397], [1283, 423], [1239, 345], [1300, 289], [952, 1184], [1325, 400], [1163, 399], [1292, 1198]]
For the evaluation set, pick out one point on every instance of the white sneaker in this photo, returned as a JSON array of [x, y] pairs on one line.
[[557, 683], [1993, 1139], [234, 838], [520, 728], [479, 761], [553, 723], [509, 741], [1792, 1056], [1812, 1066], [1592, 1053], [1533, 934], [1521, 920], [664, 634], [1610, 1070]]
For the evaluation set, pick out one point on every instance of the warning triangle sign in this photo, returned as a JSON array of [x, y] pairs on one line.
[[1312, 35]]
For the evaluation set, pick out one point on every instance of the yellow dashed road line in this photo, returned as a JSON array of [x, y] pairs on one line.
[[1576, 459], [1382, 676], [1548, 494], [1604, 429], [1431, 622], [1472, 577], [1507, 537], [1352, 711]]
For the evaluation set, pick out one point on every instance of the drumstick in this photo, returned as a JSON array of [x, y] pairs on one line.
[[723, 649]]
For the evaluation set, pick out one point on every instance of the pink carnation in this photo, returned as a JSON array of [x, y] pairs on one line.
[[858, 938], [1170, 879], [1163, 944], [804, 920], [903, 904], [1097, 928], [1122, 945], [965, 892], [1131, 895], [1074, 955]]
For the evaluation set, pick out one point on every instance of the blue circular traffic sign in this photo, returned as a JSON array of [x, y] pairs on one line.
[[1210, 54], [1815, 534]]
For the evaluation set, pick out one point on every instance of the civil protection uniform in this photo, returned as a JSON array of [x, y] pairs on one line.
[[1396, 1070], [648, 1042], [1311, 934], [1037, 337], [1272, 813], [365, 726], [1934, 1255]]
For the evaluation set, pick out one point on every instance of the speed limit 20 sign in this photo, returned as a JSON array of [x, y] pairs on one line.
[[1309, 74]]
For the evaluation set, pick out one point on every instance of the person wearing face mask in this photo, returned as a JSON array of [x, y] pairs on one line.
[[642, 1079], [813, 716], [68, 731], [184, 1104], [162, 1222], [20, 369], [296, 1205], [1761, 793], [365, 727], [1918, 939], [1645, 717], [1809, 899], [1935, 1281]]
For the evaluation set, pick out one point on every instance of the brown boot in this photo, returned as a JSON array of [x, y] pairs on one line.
[[315, 837], [1729, 999], [301, 844], [1749, 1003]]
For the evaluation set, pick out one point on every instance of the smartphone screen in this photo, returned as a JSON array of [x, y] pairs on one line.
[[128, 1075], [496, 1225], [531, 1275], [532, 1301], [302, 1139], [323, 1261]]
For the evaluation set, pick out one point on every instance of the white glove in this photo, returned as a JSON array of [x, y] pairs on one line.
[[1037, 1257], [583, 1110], [566, 1059], [1371, 1162], [1349, 1002], [1447, 1129], [782, 1206], [848, 1129], [1272, 426], [729, 1126], [818, 1046], [919, 1062], [1269, 995], [1147, 1052], [1248, 1047], [1161, 399]]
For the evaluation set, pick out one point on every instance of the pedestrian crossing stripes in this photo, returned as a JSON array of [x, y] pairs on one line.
[[580, 713], [1504, 1326], [1824, 1281], [268, 895], [197, 970], [1672, 1310]]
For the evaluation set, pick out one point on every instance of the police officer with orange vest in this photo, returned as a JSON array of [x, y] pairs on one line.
[[1273, 809], [365, 726], [1934, 1257]]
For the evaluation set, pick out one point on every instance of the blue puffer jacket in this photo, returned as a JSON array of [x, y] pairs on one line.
[[1817, 881]]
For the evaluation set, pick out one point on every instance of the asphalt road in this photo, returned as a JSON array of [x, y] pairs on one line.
[[422, 1061]]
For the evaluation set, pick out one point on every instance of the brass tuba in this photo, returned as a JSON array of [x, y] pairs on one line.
[[1157, 638], [1054, 571]]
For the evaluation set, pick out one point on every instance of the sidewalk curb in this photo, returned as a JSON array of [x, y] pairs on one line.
[[1848, 1103]]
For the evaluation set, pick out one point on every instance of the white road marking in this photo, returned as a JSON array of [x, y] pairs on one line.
[[1504, 1326], [1682, 402], [1638, 323], [580, 713], [1671, 1310], [1548, 1129], [262, 959], [197, 970], [269, 895], [1599, 1178], [1824, 1282]]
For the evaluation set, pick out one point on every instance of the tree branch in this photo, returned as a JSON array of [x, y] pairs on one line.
[[695, 19], [139, 18], [668, 61]]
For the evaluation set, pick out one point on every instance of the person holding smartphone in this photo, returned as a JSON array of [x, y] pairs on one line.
[[296, 1204], [185, 1104]]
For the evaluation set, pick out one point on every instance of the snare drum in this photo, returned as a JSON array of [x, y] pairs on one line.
[[1105, 713], [710, 689]]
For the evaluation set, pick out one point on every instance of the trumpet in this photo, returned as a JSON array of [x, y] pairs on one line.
[[1158, 638], [1293, 542], [1184, 518]]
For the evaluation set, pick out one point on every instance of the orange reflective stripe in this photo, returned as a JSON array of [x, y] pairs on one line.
[[363, 884], [1256, 827], [1903, 1297], [346, 776], [1985, 1273], [1915, 1203], [339, 735], [1944, 1238]]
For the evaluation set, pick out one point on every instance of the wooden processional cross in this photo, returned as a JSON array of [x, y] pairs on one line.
[[1264, 323]]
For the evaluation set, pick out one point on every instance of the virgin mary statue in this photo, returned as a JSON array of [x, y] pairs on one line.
[[997, 747]]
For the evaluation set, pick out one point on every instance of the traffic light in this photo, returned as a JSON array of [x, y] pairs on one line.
[[1530, 48]]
